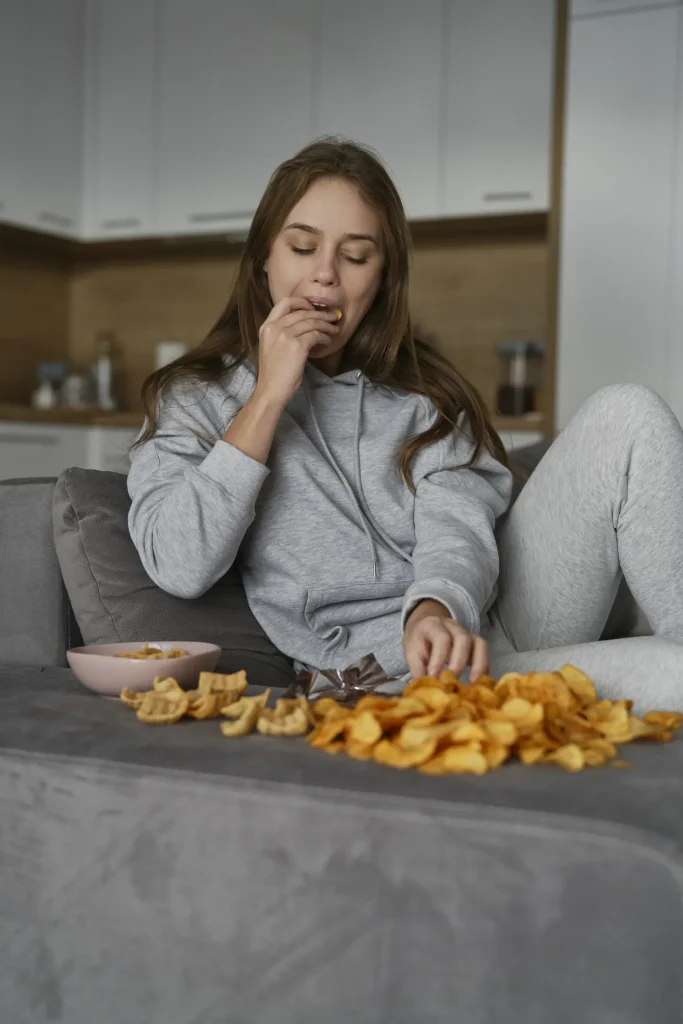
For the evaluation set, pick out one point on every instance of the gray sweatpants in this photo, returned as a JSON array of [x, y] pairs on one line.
[[605, 500]]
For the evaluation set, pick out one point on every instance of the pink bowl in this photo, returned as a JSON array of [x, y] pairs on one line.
[[96, 669]]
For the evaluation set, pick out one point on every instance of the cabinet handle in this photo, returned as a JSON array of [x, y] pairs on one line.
[[45, 439], [502, 197], [54, 218], [208, 218], [120, 222]]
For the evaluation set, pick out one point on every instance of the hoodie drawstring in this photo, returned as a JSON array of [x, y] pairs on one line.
[[367, 520]]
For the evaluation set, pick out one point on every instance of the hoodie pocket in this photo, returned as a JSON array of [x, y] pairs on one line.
[[330, 611]]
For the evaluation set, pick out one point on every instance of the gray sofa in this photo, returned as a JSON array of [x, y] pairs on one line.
[[170, 876]]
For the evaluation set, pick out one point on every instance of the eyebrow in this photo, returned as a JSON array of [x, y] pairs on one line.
[[349, 237]]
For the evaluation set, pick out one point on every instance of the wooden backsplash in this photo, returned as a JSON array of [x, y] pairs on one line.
[[473, 285], [34, 313]]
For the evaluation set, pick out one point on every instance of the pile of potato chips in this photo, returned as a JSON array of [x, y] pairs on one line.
[[439, 726], [442, 726]]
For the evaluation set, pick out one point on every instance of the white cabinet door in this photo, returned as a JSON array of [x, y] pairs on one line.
[[119, 131], [520, 438], [380, 84], [40, 449], [108, 448], [53, 114], [499, 109], [618, 204], [235, 98], [582, 7], [14, 45]]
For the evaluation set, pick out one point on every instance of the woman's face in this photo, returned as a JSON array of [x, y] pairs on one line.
[[329, 250]]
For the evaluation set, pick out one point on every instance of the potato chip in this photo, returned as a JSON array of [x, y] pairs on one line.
[[169, 685], [543, 688], [376, 702], [405, 708], [130, 698], [217, 682], [328, 707], [532, 754], [236, 709], [450, 681], [465, 759], [292, 723], [579, 683], [386, 752], [327, 731], [495, 753], [414, 735], [364, 729], [432, 697], [359, 751], [594, 758], [500, 731], [667, 719], [209, 705], [465, 732], [246, 722], [162, 708], [569, 756], [416, 684]]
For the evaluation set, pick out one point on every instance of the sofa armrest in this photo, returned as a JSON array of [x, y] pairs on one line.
[[35, 615]]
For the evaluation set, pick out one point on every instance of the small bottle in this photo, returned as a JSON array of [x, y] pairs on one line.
[[104, 372]]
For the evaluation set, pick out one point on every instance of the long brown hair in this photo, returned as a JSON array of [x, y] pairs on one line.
[[383, 346]]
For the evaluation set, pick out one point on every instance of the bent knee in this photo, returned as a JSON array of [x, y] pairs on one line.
[[630, 401]]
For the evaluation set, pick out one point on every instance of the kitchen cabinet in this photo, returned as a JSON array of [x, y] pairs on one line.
[[520, 438], [46, 449], [14, 45], [40, 449], [108, 448], [498, 116], [119, 119], [51, 111], [235, 100], [587, 7], [380, 84], [623, 100]]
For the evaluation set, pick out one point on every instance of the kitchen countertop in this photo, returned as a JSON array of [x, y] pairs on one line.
[[90, 417]]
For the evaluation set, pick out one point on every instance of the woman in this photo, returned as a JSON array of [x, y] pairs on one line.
[[357, 480]]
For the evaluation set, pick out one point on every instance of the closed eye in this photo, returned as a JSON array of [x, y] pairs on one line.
[[307, 252]]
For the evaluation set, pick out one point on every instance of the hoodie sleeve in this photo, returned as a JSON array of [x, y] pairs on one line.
[[456, 556], [192, 496]]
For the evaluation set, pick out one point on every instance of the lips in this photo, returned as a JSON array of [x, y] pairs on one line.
[[319, 303]]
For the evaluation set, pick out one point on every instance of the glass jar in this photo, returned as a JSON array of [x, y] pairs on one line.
[[521, 377]]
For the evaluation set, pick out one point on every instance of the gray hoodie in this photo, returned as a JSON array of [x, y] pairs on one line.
[[333, 548]]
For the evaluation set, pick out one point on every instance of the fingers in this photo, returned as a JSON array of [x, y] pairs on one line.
[[480, 659], [434, 643], [441, 644], [417, 655]]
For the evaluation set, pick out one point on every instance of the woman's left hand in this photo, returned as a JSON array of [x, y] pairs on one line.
[[432, 640]]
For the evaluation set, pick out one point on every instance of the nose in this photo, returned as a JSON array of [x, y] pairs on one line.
[[325, 271]]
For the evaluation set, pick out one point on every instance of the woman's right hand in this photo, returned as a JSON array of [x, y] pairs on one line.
[[286, 338]]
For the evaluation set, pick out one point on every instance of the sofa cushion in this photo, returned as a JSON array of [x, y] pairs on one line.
[[114, 599], [33, 604]]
